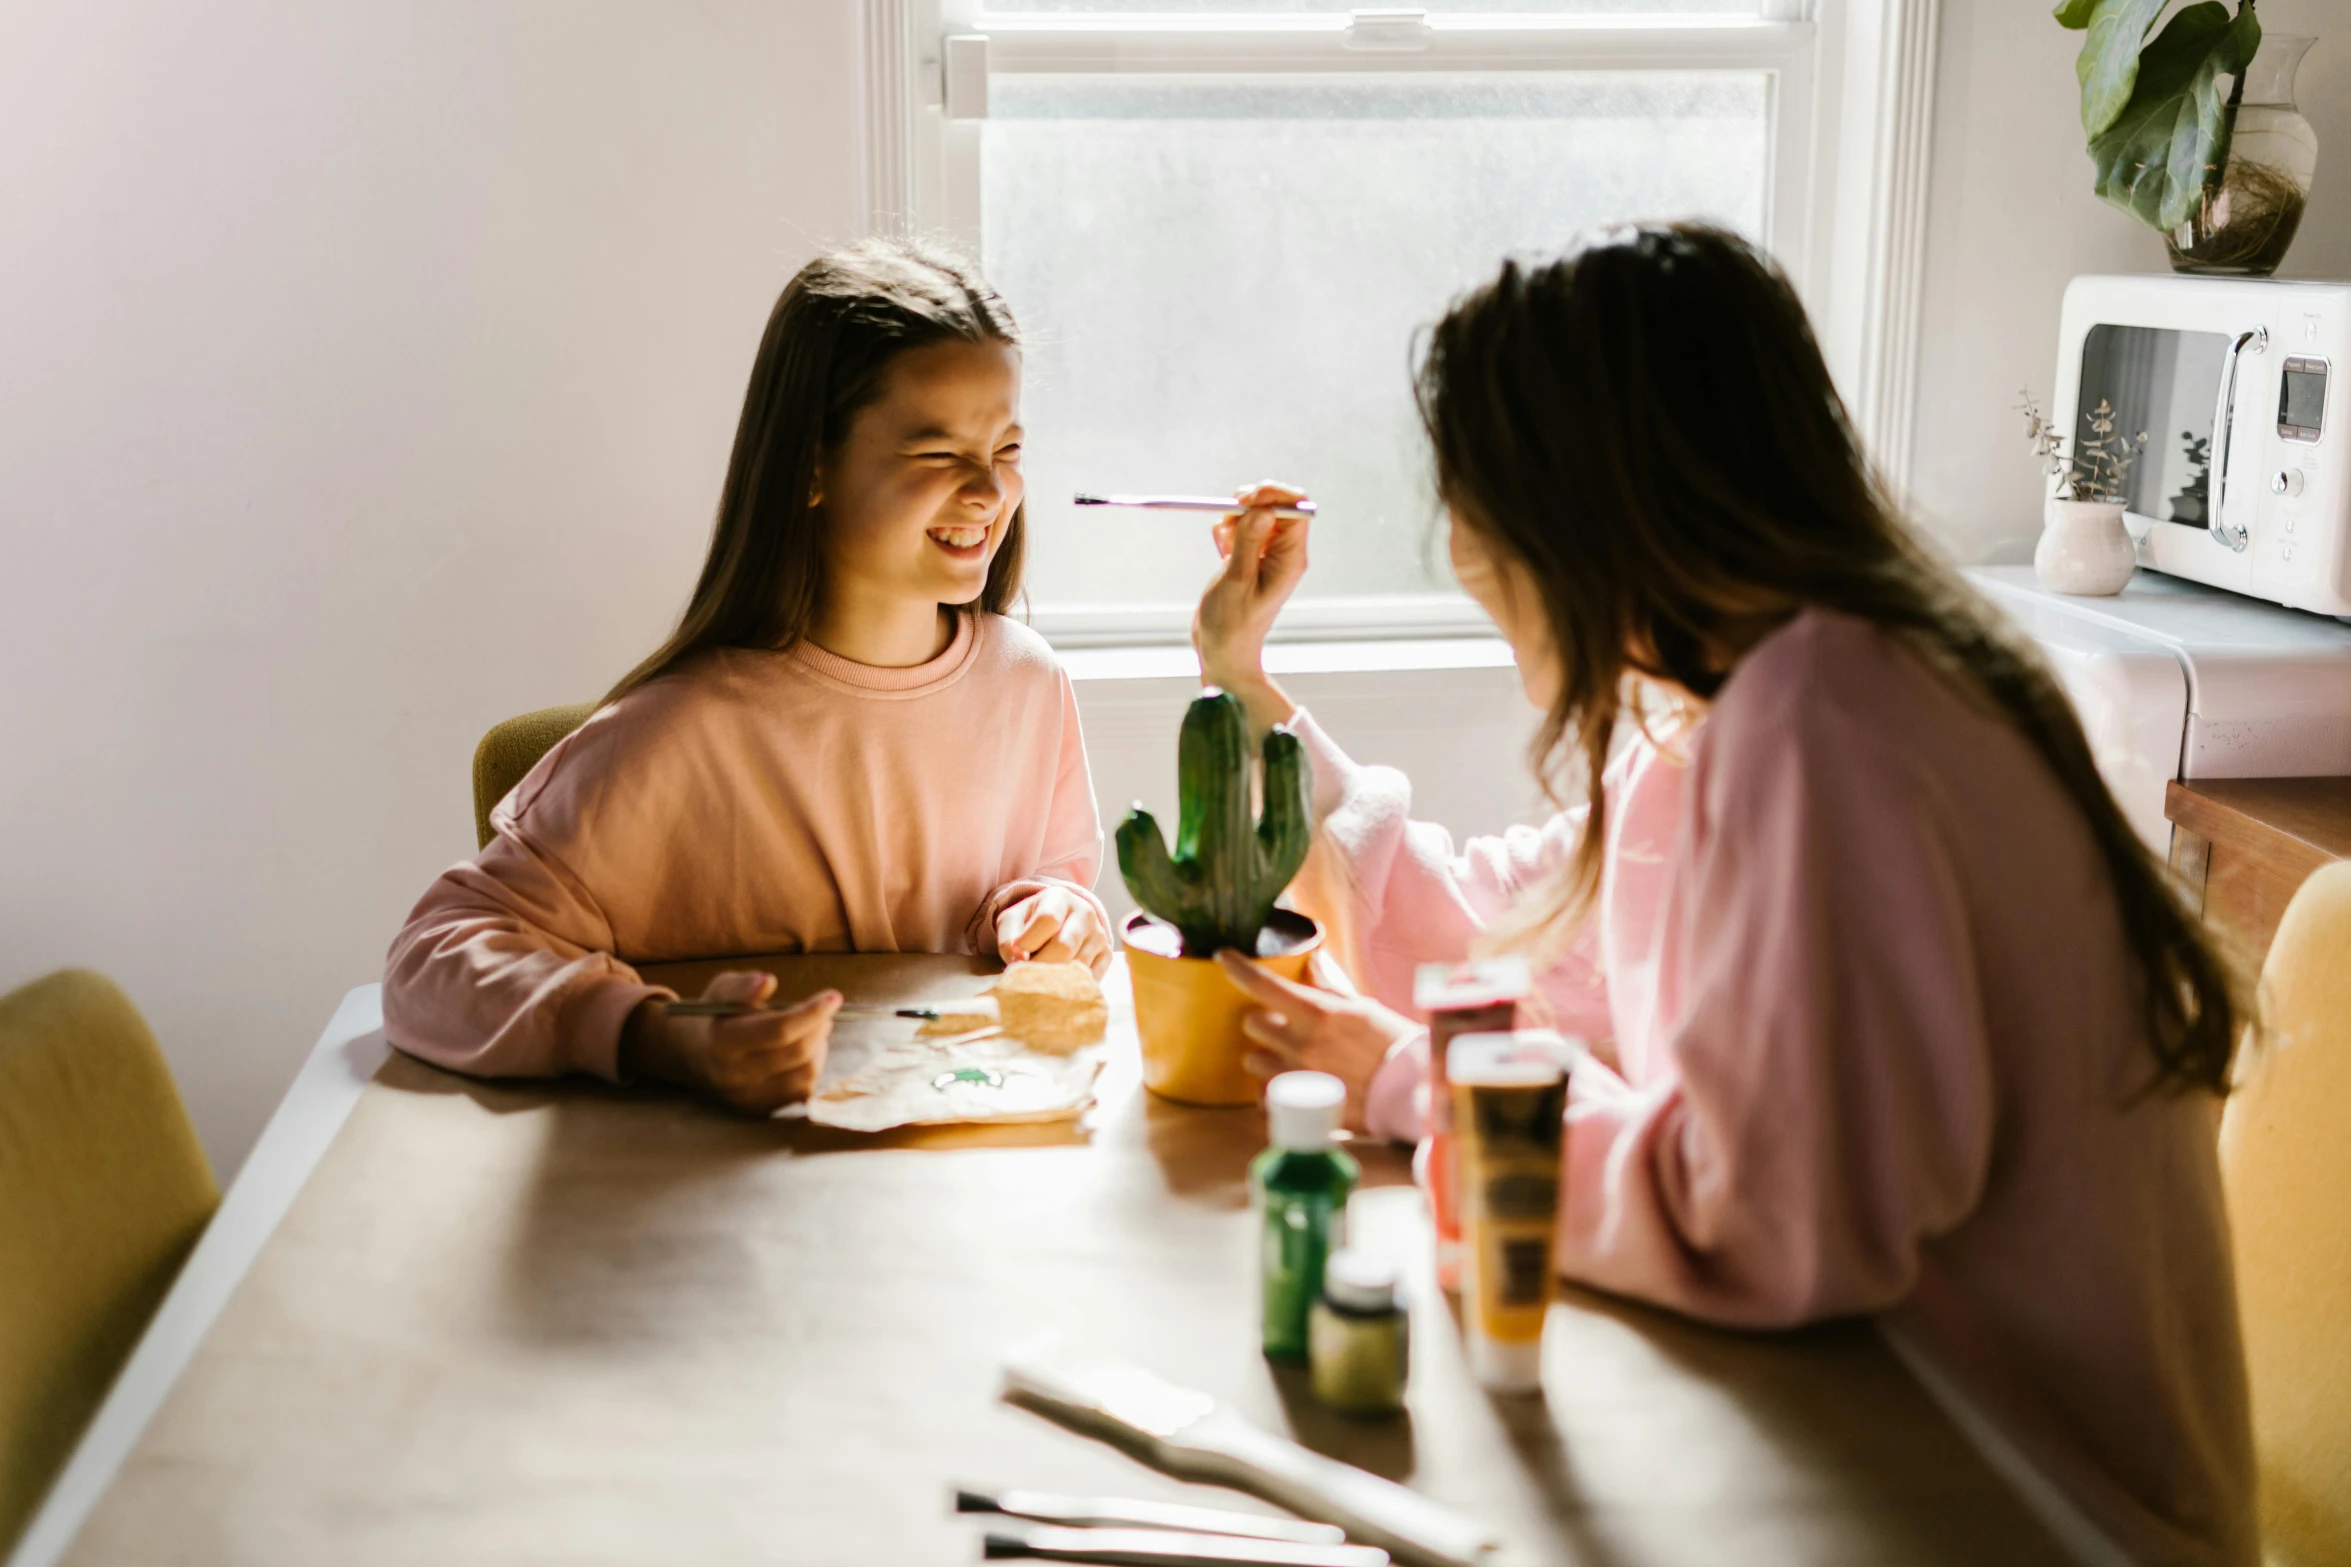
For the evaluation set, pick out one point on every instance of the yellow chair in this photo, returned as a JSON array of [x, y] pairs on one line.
[[103, 1191], [512, 749], [2285, 1150]]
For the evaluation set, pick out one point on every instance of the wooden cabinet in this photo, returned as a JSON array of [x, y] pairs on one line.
[[2244, 845]]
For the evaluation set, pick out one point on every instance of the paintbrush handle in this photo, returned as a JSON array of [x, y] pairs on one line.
[[738, 1008], [1119, 1512], [1201, 503], [1169, 1548]]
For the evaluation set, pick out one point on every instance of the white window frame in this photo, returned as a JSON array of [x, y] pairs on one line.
[[1851, 84]]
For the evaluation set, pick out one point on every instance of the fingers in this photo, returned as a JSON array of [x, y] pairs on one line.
[[1271, 493], [763, 1061], [1263, 559], [1284, 558], [1041, 932], [1272, 1031], [748, 986], [1243, 546], [1267, 1064], [1268, 988], [1030, 926], [1274, 536], [1090, 940], [1083, 937], [1054, 926], [780, 1031]]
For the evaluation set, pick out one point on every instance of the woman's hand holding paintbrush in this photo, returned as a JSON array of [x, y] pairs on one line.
[[1293, 1025], [1264, 550]]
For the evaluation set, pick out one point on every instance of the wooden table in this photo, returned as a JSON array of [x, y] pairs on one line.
[[571, 1323], [2244, 846]]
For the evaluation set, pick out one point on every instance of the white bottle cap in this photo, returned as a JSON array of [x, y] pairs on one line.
[[1302, 1109], [1359, 1280], [1478, 982]]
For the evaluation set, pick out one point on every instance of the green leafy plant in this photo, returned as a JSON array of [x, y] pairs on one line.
[[1219, 886], [2152, 108], [2100, 471]]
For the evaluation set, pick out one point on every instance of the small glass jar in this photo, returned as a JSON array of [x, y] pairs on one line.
[[1359, 1337]]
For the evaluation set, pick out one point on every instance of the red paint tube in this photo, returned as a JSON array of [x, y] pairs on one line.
[[1480, 996]]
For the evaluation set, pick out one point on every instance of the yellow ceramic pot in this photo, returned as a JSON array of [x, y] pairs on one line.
[[1189, 1015]]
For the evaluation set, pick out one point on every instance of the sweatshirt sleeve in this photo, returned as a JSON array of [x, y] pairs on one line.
[[1072, 853], [505, 966], [1392, 893], [1823, 1102]]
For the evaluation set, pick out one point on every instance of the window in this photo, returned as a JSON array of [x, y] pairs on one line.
[[1222, 229]]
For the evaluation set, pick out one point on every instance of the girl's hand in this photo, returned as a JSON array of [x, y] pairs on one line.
[[1300, 1028], [1054, 925], [1264, 556], [758, 1062]]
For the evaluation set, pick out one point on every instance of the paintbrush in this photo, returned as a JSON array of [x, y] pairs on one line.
[[739, 1008], [1210, 503], [1096, 1512], [1193, 1437]]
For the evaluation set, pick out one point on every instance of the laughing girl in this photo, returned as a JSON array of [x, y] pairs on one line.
[[845, 746]]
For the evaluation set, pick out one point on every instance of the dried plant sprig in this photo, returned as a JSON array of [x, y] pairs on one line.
[[2099, 471]]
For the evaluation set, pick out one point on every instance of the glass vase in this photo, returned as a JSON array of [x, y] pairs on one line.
[[2253, 202]]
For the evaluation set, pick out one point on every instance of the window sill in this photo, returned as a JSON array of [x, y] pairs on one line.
[[1091, 665]]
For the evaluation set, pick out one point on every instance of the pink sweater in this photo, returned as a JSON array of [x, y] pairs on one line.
[[1878, 1037], [752, 803]]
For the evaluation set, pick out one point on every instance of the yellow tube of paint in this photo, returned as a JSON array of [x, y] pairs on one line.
[[1509, 1095]]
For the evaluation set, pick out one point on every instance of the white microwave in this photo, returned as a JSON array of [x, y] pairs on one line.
[[2240, 386]]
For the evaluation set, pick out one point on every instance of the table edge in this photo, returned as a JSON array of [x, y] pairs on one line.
[[314, 1108], [2201, 808], [2076, 1533]]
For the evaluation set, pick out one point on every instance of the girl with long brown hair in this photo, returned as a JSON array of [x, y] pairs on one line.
[[846, 745], [1892, 1013]]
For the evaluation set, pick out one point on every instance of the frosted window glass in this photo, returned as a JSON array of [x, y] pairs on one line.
[[1221, 282]]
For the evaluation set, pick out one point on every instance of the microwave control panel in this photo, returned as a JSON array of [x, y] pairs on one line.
[[2302, 398]]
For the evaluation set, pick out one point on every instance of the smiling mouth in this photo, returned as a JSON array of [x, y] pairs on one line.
[[962, 543]]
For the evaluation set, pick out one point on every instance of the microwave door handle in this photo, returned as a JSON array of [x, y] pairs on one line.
[[2223, 415]]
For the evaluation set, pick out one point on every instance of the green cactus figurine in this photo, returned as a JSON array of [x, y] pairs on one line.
[[1219, 886]]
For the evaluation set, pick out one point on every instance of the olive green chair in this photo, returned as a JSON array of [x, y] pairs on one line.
[[512, 749], [2285, 1158], [103, 1192]]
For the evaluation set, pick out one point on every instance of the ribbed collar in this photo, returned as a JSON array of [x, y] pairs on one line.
[[891, 684]]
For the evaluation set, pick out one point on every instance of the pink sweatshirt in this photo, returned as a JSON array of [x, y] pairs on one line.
[[754, 802], [1878, 1036]]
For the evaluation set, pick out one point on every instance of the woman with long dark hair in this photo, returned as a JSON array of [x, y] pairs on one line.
[[845, 746], [1892, 1012]]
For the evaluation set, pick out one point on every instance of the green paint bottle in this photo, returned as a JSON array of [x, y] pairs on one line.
[[1298, 1189]]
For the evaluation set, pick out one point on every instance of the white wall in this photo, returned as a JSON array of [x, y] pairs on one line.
[[2011, 220], [366, 374]]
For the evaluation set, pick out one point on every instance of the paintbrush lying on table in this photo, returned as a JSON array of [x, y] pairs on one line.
[[847, 1009]]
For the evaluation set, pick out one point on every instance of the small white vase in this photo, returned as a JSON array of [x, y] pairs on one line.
[[2084, 549]]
